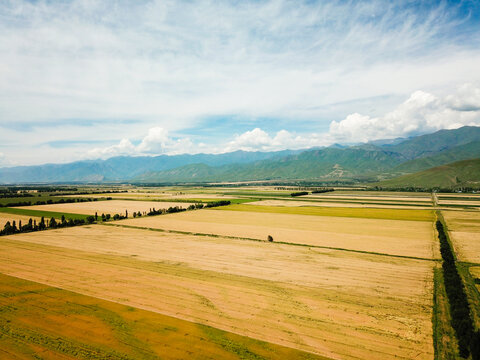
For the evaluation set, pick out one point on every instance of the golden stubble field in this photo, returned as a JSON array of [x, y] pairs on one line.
[[464, 229], [326, 203], [108, 207], [334, 303], [396, 237], [14, 217]]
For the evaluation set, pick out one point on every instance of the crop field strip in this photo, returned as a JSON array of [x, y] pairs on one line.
[[398, 323], [4, 217], [464, 230], [388, 214], [300, 202], [394, 237], [38, 319]]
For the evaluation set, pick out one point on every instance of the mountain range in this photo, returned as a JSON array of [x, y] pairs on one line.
[[370, 162]]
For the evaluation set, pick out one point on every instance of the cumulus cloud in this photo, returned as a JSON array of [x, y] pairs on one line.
[[258, 140], [156, 142], [421, 113]]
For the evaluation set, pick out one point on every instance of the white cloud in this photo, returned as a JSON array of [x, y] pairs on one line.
[[125, 147], [258, 140], [156, 142], [421, 113], [173, 64]]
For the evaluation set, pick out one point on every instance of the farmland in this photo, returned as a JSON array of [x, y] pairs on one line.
[[108, 207], [339, 280], [385, 236], [270, 292], [464, 228]]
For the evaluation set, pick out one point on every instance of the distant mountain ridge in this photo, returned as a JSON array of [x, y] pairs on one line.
[[465, 173], [372, 161]]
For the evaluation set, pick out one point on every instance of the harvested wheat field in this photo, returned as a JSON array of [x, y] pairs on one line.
[[61, 324], [369, 198], [334, 303], [109, 207], [464, 229], [295, 203], [4, 217], [460, 202], [406, 238]]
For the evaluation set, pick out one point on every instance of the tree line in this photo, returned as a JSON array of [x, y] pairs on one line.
[[462, 321], [11, 228]]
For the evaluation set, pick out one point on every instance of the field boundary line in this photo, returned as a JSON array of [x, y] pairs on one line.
[[275, 242]]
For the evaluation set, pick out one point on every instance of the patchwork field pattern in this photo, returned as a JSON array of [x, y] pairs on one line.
[[326, 203], [334, 303], [396, 237], [60, 324]]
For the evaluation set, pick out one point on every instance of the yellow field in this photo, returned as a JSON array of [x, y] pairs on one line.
[[157, 195], [11, 217], [296, 203], [60, 324], [464, 229], [406, 238], [365, 213], [334, 303], [459, 202], [108, 207], [374, 198]]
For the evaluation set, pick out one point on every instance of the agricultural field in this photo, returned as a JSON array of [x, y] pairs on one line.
[[396, 237], [464, 229], [108, 207], [326, 203], [347, 275], [4, 217], [99, 329], [164, 196], [332, 303]]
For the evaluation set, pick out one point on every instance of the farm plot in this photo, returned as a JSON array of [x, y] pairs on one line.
[[63, 324], [333, 303], [326, 203], [405, 238], [464, 229], [369, 198], [109, 207], [17, 218]]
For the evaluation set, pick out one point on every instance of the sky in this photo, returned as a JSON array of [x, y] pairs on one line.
[[86, 79]]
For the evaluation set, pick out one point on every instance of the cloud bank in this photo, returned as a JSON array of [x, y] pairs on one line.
[[107, 70], [421, 113]]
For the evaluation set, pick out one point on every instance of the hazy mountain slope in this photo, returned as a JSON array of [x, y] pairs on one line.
[[315, 164], [381, 158], [462, 152], [124, 167], [430, 144], [457, 174]]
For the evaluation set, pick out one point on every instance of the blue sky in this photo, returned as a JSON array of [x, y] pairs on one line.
[[93, 79]]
